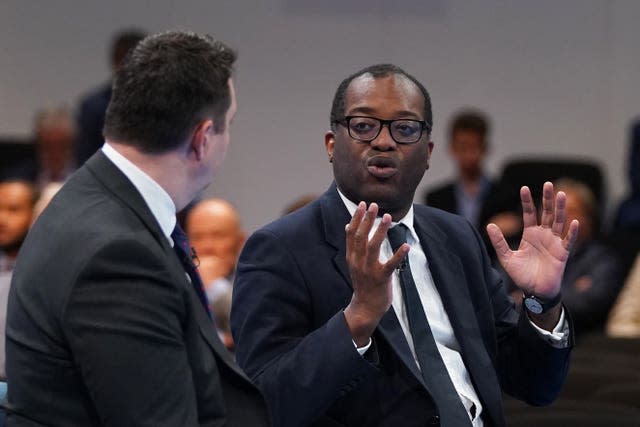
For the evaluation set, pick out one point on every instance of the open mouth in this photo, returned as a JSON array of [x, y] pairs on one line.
[[382, 166]]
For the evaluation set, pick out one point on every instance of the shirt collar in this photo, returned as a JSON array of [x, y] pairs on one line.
[[406, 220], [156, 198]]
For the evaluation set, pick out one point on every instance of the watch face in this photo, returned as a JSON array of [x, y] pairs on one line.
[[533, 305]]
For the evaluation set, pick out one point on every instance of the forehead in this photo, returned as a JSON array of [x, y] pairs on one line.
[[15, 192], [212, 216], [387, 97]]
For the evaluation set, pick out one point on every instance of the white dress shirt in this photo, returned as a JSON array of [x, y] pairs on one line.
[[438, 319], [156, 198]]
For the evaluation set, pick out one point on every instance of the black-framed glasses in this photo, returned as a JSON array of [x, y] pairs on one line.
[[366, 129]]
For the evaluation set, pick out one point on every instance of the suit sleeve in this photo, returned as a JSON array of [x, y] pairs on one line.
[[301, 369], [123, 323], [529, 367]]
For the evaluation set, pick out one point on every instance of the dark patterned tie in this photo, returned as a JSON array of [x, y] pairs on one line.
[[186, 254], [434, 372]]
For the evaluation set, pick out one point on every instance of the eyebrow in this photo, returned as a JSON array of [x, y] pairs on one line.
[[369, 110]]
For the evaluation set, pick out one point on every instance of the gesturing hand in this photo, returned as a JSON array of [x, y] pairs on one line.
[[538, 264], [370, 278]]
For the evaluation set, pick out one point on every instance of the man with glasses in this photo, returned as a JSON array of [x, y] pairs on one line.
[[362, 309]]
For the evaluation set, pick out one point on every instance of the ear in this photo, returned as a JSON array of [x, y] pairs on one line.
[[428, 154], [200, 139], [329, 144]]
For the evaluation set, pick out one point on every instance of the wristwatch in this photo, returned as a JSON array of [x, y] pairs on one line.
[[539, 305]]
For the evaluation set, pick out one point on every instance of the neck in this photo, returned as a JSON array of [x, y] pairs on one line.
[[397, 213], [168, 169]]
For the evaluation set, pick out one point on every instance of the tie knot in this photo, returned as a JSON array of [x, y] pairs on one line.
[[397, 236]]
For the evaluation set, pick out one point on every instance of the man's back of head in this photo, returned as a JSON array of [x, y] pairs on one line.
[[167, 84]]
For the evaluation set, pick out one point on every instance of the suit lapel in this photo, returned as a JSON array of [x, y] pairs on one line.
[[450, 281], [335, 216], [120, 186]]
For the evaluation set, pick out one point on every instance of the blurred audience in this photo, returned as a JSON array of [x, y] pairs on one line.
[[472, 193], [54, 137], [93, 106], [214, 230], [17, 200], [593, 275], [624, 319]]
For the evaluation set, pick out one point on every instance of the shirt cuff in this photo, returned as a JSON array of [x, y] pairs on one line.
[[362, 350], [559, 337]]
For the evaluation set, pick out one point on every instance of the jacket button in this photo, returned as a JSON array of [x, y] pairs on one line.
[[433, 421]]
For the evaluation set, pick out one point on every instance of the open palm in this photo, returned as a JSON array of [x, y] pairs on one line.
[[537, 265]]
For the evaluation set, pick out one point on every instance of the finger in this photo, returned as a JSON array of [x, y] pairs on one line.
[[361, 236], [393, 262], [352, 227], [503, 252], [561, 214], [547, 205], [572, 235], [529, 218], [373, 252]]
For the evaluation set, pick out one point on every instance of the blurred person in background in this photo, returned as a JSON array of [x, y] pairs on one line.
[[473, 194], [54, 135], [17, 200], [214, 230], [93, 105]]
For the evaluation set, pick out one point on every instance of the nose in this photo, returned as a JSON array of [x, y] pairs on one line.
[[384, 141]]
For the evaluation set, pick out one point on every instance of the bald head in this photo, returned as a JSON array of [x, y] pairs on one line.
[[214, 229]]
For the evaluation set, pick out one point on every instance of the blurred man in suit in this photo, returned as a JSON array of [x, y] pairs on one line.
[[93, 106], [107, 321], [473, 194], [346, 326]]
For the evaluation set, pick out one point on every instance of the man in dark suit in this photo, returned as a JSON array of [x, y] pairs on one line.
[[339, 328], [106, 322]]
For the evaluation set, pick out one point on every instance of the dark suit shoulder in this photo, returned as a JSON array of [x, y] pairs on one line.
[[297, 225]]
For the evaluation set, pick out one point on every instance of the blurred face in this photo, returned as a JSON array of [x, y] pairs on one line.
[[214, 230], [381, 170], [468, 150], [16, 210], [54, 148]]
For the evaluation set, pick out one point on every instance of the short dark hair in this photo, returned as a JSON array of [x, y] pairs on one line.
[[169, 83], [376, 71], [123, 43], [471, 120]]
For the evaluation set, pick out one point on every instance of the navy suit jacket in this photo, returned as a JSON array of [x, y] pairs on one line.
[[292, 284], [103, 327]]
